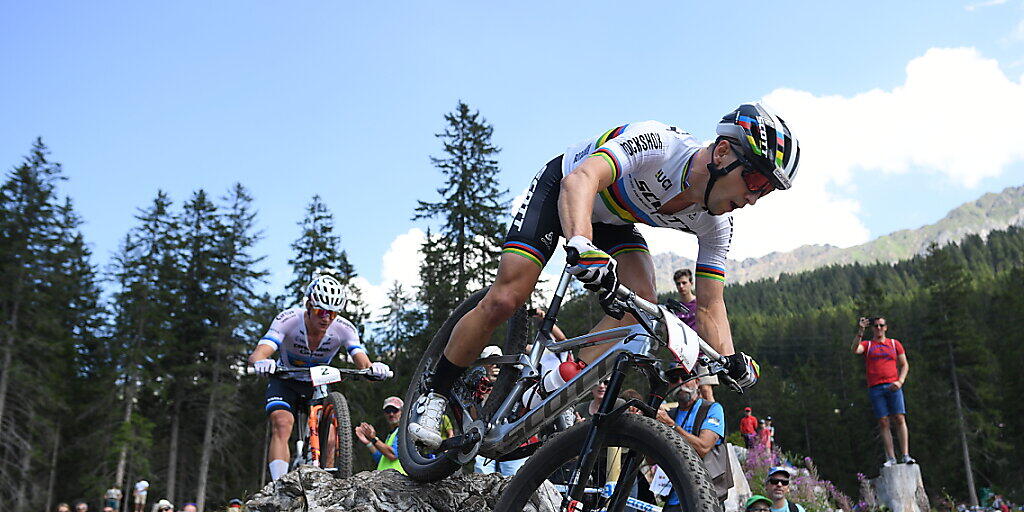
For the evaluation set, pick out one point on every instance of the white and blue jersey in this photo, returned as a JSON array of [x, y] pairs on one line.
[[287, 334]]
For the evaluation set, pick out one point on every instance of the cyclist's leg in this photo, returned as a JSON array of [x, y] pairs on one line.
[[281, 424], [531, 240], [516, 279], [281, 400], [635, 269]]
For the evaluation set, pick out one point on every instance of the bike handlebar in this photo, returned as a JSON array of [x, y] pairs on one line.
[[351, 372]]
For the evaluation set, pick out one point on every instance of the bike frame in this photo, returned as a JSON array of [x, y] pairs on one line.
[[634, 346], [503, 433]]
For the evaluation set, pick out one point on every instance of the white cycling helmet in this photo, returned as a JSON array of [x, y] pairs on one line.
[[326, 292], [764, 140]]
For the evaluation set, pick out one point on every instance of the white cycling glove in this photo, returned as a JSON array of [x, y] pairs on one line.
[[593, 264], [380, 371], [265, 366]]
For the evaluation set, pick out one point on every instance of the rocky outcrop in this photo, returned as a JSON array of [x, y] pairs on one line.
[[314, 490], [898, 487]]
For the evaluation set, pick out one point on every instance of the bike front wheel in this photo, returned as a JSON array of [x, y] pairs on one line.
[[651, 440], [430, 467], [334, 416]]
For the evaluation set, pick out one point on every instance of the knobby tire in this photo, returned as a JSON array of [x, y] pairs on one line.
[[650, 438], [337, 407], [416, 465]]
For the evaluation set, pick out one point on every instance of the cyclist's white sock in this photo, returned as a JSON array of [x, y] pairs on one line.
[[278, 468]]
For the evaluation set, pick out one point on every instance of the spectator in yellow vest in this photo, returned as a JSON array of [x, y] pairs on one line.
[[385, 452]]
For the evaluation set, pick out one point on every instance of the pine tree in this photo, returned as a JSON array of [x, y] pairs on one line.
[[397, 324], [49, 305], [231, 282], [319, 248], [471, 208]]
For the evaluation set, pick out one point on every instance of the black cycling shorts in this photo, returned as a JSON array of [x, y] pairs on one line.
[[288, 395], [536, 226]]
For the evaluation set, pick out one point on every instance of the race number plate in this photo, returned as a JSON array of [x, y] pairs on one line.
[[682, 341], [324, 375]]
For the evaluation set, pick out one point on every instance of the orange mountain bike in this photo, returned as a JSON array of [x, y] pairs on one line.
[[324, 437]]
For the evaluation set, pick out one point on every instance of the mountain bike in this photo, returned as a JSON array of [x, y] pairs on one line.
[[498, 428], [324, 432]]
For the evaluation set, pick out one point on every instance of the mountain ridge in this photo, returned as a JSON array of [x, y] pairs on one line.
[[991, 211]]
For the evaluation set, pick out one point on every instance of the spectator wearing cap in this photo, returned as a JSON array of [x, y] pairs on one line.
[[758, 503], [702, 425], [235, 504], [385, 453], [163, 506], [483, 464], [748, 428], [777, 488], [191, 507], [81, 506]]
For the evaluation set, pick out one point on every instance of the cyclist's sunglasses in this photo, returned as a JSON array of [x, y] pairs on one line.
[[322, 313], [755, 180]]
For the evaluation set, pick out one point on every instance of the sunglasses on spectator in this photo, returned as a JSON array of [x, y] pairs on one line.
[[879, 325], [391, 410], [776, 481], [759, 509]]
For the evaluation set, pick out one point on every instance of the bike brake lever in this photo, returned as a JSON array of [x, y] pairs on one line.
[[731, 382]]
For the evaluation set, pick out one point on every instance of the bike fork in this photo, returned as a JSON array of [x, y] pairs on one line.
[[589, 454]]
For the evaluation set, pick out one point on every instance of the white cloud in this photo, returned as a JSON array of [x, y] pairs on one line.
[[953, 116], [399, 263], [979, 5]]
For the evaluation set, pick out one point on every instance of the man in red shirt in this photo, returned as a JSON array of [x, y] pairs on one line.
[[748, 427], [886, 364]]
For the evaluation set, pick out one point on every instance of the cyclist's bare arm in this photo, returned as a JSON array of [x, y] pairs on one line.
[[576, 198], [361, 360], [712, 318], [262, 351], [557, 333], [702, 443]]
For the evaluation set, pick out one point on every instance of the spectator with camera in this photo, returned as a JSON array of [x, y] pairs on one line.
[[886, 366]]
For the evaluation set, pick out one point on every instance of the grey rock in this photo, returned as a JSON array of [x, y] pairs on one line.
[[898, 487], [314, 490]]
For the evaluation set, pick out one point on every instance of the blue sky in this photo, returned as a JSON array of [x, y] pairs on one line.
[[342, 99]]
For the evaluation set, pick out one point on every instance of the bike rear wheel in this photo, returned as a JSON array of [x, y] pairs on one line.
[[648, 438], [432, 467], [335, 413]]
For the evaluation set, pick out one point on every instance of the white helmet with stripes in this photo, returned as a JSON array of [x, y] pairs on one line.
[[326, 292]]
